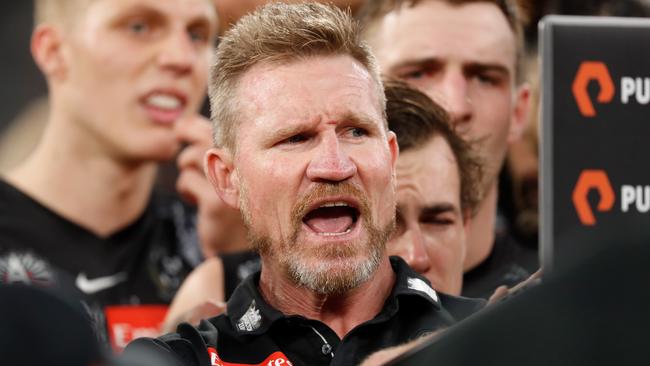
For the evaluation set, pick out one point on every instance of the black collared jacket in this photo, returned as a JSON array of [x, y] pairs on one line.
[[254, 333]]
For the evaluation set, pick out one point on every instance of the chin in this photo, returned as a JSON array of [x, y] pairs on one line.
[[332, 275], [158, 152]]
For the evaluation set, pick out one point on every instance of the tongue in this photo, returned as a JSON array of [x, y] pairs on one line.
[[329, 220]]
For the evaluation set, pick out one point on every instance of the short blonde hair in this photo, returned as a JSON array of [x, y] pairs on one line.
[[280, 33], [57, 11]]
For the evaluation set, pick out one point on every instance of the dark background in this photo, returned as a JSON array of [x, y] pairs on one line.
[[616, 140]]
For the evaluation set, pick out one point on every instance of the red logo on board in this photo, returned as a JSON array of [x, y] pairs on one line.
[[588, 180], [587, 72]]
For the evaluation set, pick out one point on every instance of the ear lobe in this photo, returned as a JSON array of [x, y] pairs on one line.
[[519, 118], [219, 169], [393, 147], [47, 51]]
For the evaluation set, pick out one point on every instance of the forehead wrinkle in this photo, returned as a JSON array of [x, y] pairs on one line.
[[395, 24], [263, 92]]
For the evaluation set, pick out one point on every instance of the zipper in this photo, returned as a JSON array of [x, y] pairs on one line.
[[326, 348]]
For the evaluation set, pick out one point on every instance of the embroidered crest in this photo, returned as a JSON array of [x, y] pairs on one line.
[[419, 285], [24, 268], [251, 320]]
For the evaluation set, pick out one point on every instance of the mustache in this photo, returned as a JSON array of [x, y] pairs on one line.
[[322, 190]]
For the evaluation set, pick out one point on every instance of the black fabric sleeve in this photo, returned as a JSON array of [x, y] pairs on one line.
[[187, 347]]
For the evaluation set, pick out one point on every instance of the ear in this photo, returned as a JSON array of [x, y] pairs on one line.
[[46, 48], [219, 169], [394, 148], [519, 118]]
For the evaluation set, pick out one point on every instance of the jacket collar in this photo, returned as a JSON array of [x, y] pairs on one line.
[[250, 314]]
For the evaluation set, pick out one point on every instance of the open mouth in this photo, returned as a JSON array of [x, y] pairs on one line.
[[164, 101], [164, 106], [332, 218]]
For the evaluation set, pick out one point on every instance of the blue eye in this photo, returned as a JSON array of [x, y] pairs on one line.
[[199, 33], [198, 37], [358, 132], [138, 27]]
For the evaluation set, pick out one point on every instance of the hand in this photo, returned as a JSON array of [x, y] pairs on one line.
[[503, 292], [207, 309], [196, 132], [217, 222]]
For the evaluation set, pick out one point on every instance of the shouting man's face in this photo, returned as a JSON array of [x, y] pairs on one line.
[[314, 170]]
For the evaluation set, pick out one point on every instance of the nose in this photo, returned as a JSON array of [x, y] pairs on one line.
[[330, 162], [455, 97], [178, 54], [413, 250]]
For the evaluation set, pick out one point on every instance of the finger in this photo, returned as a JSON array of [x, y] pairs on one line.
[[498, 294], [205, 310], [193, 186], [219, 304], [194, 129], [191, 157], [538, 274]]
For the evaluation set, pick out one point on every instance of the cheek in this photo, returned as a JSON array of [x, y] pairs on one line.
[[377, 174], [492, 124], [446, 249], [111, 58], [201, 78], [270, 187], [457, 245]]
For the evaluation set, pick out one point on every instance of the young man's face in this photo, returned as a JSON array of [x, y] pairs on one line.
[[462, 56], [315, 167], [133, 68], [430, 231]]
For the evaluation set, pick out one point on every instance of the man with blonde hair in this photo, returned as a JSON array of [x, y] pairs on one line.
[[303, 150], [80, 214]]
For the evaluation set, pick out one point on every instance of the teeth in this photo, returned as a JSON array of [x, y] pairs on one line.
[[335, 204], [164, 101], [336, 234]]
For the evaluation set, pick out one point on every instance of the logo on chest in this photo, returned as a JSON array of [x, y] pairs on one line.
[[24, 268], [251, 320]]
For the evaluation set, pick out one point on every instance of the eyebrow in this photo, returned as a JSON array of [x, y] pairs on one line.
[[480, 68], [145, 9], [433, 209], [202, 20], [439, 208], [357, 119], [472, 67], [360, 120], [429, 61]]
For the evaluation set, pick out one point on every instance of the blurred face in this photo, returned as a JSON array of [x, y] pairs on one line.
[[430, 232], [134, 67], [464, 58], [315, 169]]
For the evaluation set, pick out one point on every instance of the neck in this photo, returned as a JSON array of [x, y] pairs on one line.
[[340, 312], [82, 184], [480, 238]]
